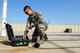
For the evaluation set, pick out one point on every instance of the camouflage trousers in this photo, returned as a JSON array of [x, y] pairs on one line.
[[38, 32]]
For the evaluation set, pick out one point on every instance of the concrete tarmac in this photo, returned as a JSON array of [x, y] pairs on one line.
[[57, 43]]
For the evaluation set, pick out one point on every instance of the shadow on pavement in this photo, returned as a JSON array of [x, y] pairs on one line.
[[66, 49], [5, 43], [66, 40]]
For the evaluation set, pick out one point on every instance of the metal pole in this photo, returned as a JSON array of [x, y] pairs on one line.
[[4, 17]]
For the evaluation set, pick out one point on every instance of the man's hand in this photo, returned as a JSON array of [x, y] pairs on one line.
[[30, 27], [24, 37]]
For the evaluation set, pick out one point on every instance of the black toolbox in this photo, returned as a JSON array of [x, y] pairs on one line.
[[16, 40]]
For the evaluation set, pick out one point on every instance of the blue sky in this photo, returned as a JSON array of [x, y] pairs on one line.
[[54, 11]]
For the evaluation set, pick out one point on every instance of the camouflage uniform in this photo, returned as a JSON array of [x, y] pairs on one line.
[[40, 26]]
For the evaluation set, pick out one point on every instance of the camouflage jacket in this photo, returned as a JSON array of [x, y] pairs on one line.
[[36, 18]]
